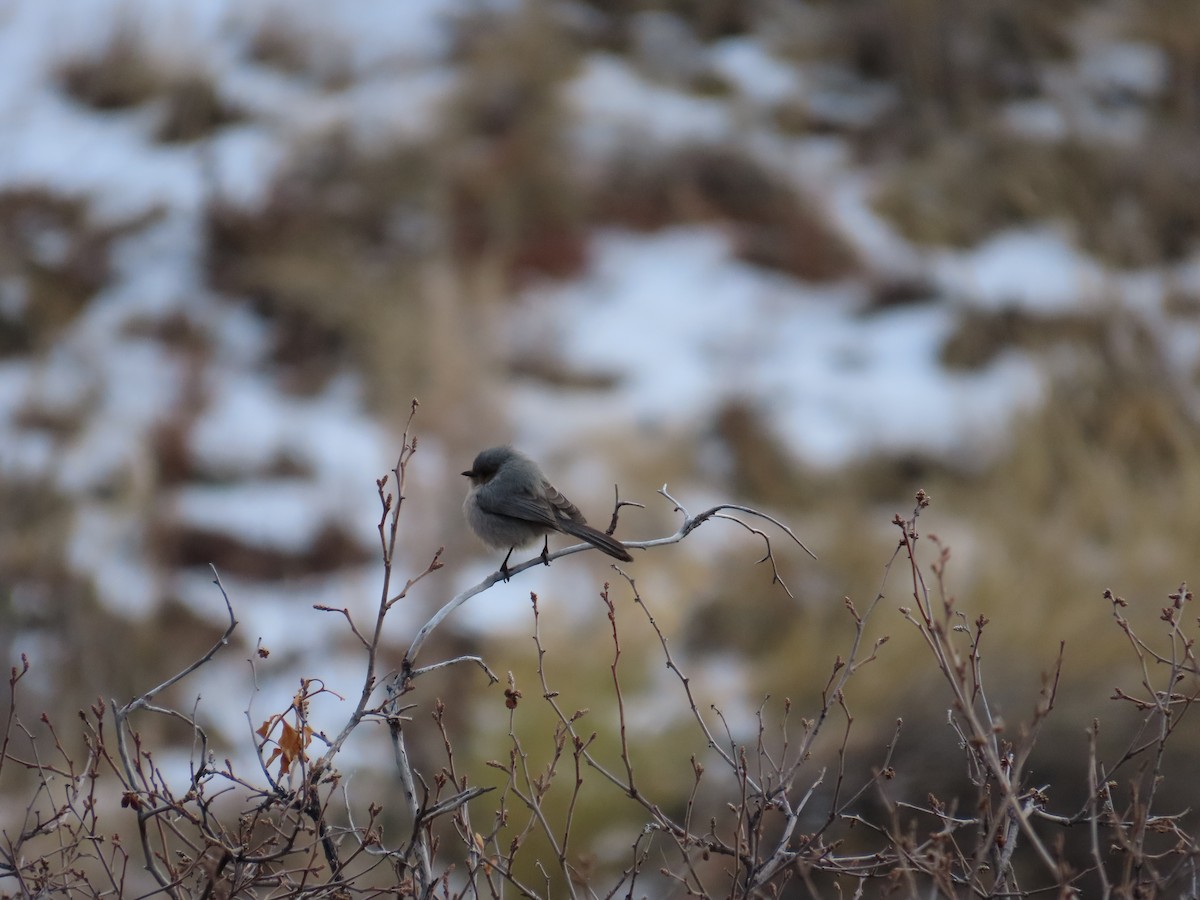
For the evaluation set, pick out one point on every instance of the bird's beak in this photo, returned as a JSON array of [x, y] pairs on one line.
[[468, 473]]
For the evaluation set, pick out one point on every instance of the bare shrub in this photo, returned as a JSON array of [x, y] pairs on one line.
[[776, 810]]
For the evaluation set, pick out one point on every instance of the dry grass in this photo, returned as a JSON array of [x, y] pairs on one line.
[[981, 335], [122, 76], [961, 178], [1174, 27], [709, 20], [1094, 491], [330, 260], [395, 259], [53, 259], [773, 226], [280, 43], [1129, 208], [51, 613], [126, 74], [510, 184], [177, 546], [951, 62], [193, 110], [761, 469], [713, 19]]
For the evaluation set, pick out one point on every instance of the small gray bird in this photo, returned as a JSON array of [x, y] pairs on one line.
[[511, 504]]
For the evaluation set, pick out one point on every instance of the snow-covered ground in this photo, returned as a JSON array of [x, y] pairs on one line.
[[679, 322]]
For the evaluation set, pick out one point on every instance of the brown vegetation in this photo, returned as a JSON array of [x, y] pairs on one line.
[[582, 798], [128, 75]]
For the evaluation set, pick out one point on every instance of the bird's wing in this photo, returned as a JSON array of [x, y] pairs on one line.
[[563, 508], [527, 507]]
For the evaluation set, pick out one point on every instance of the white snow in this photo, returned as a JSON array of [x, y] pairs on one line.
[[615, 105], [287, 514], [1036, 269], [249, 427], [686, 328], [1137, 68], [680, 324], [758, 76], [1039, 119]]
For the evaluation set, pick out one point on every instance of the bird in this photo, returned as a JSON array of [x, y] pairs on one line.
[[510, 503]]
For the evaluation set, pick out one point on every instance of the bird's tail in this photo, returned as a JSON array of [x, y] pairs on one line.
[[597, 539]]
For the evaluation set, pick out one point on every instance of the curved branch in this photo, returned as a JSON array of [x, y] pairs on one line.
[[690, 523]]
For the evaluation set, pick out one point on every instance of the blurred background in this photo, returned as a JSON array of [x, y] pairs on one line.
[[807, 256]]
